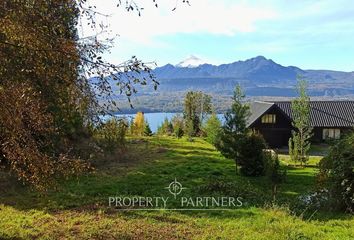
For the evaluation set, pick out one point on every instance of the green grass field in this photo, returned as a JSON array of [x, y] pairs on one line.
[[79, 208]]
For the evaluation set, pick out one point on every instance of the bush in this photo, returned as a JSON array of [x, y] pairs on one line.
[[251, 155], [111, 134], [337, 174]]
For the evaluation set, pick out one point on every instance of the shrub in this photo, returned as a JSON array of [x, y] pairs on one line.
[[337, 174], [111, 134], [251, 155]]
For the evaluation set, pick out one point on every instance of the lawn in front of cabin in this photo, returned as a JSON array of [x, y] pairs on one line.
[[79, 209]]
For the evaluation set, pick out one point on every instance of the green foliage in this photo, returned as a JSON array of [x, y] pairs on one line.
[[234, 130], [337, 174], [166, 128], [299, 144], [273, 171], [147, 130], [250, 154], [111, 134], [178, 125], [212, 129], [196, 106]]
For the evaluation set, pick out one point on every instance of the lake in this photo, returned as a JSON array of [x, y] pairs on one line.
[[156, 119]]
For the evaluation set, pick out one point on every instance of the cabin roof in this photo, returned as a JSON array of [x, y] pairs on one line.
[[322, 113]]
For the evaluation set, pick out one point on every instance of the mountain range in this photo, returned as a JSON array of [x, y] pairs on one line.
[[259, 76]]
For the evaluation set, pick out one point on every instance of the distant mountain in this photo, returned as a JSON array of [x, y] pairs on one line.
[[191, 62], [254, 69], [259, 76]]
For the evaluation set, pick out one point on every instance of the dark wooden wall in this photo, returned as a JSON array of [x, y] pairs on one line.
[[278, 134]]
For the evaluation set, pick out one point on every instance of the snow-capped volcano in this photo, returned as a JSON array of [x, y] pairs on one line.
[[191, 62]]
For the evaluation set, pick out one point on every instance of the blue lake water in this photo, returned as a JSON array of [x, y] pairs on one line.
[[156, 119]]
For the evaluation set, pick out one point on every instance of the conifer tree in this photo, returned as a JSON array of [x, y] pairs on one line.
[[234, 130], [147, 129]]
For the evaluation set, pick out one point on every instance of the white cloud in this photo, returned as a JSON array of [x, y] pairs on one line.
[[203, 16]]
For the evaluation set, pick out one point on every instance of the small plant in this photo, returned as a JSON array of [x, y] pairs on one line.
[[273, 171]]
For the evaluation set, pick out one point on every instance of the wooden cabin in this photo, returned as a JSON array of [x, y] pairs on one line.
[[329, 119]]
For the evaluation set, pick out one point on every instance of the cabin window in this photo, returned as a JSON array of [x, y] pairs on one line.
[[269, 118], [331, 133]]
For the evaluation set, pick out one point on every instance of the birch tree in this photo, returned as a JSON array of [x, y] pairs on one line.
[[299, 143]]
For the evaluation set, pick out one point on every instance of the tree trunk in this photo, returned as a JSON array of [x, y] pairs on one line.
[[236, 167], [274, 192]]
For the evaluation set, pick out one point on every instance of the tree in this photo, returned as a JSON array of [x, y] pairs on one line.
[[50, 83], [111, 134], [251, 154], [147, 130], [212, 128], [196, 106], [48, 101], [178, 125], [139, 124], [234, 130], [299, 144], [166, 128], [337, 174]]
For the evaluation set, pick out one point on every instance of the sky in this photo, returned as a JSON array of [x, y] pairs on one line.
[[310, 34]]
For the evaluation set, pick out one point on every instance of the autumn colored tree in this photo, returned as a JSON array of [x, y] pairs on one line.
[[139, 124], [48, 97]]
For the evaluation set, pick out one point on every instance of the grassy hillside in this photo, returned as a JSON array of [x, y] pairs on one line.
[[79, 208]]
